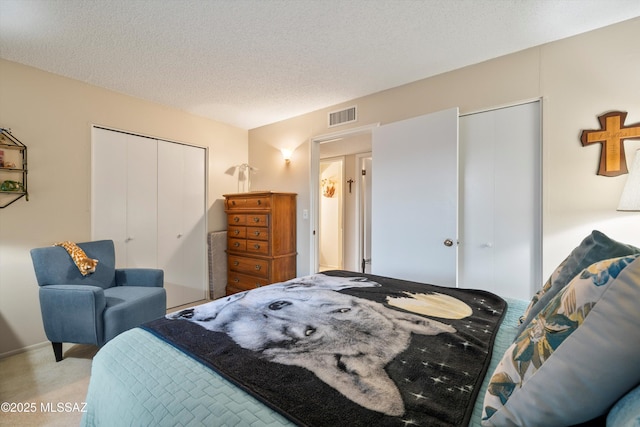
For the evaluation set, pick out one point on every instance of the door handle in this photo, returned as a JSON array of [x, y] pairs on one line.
[[448, 242]]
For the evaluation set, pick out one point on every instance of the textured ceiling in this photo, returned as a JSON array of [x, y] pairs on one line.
[[254, 62]]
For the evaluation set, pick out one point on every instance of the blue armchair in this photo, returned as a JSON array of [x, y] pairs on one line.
[[95, 308]]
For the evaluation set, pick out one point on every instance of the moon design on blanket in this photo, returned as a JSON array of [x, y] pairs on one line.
[[344, 340], [435, 304]]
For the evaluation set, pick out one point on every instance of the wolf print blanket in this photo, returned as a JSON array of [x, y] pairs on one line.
[[343, 348]]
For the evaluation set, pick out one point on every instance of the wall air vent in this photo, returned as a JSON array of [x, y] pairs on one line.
[[348, 115]]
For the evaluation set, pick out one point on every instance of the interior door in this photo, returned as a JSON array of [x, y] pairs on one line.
[[415, 199], [500, 233]]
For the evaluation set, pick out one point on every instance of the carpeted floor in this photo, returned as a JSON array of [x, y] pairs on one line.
[[37, 391]]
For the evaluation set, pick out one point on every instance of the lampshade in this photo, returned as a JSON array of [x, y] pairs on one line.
[[286, 154], [630, 199]]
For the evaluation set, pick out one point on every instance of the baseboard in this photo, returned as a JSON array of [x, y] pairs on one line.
[[47, 343], [24, 349]]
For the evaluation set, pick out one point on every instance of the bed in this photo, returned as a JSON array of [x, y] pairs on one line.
[[446, 357]]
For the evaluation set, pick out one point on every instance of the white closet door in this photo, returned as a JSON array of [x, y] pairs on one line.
[[181, 222], [109, 190], [501, 193], [415, 198], [194, 238], [142, 188], [123, 195]]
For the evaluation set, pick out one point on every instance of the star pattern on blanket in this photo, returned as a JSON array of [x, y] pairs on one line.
[[443, 380]]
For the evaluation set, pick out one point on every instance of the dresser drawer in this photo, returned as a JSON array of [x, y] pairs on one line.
[[236, 219], [245, 282], [252, 266], [257, 233], [257, 220], [237, 244], [258, 247], [249, 203], [237, 232]]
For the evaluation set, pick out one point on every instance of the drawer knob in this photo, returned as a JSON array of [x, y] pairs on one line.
[[259, 202], [236, 219], [236, 263], [236, 280], [236, 244], [257, 233], [236, 232], [258, 267], [256, 219], [448, 242], [256, 246]]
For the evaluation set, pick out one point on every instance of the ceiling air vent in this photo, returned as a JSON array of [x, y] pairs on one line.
[[342, 117]]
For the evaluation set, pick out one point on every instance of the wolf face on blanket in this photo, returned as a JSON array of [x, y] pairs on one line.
[[306, 323]]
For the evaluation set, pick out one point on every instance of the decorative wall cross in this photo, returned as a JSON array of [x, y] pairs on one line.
[[611, 135]]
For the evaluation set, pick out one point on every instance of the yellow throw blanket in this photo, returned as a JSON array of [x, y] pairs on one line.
[[85, 264]]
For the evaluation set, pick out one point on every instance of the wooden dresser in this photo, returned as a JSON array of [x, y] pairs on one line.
[[261, 239]]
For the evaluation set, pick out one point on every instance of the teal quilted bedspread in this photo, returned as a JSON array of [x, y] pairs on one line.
[[139, 380]]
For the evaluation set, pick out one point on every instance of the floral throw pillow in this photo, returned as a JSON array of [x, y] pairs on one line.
[[544, 290], [577, 356], [595, 247]]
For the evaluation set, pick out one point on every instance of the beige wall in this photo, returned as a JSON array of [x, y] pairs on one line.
[[577, 78], [53, 115]]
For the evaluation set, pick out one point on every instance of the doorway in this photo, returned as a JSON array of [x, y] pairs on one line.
[[341, 223], [331, 209]]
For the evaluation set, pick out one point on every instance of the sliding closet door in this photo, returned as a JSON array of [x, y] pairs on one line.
[[415, 199], [181, 222], [500, 234]]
